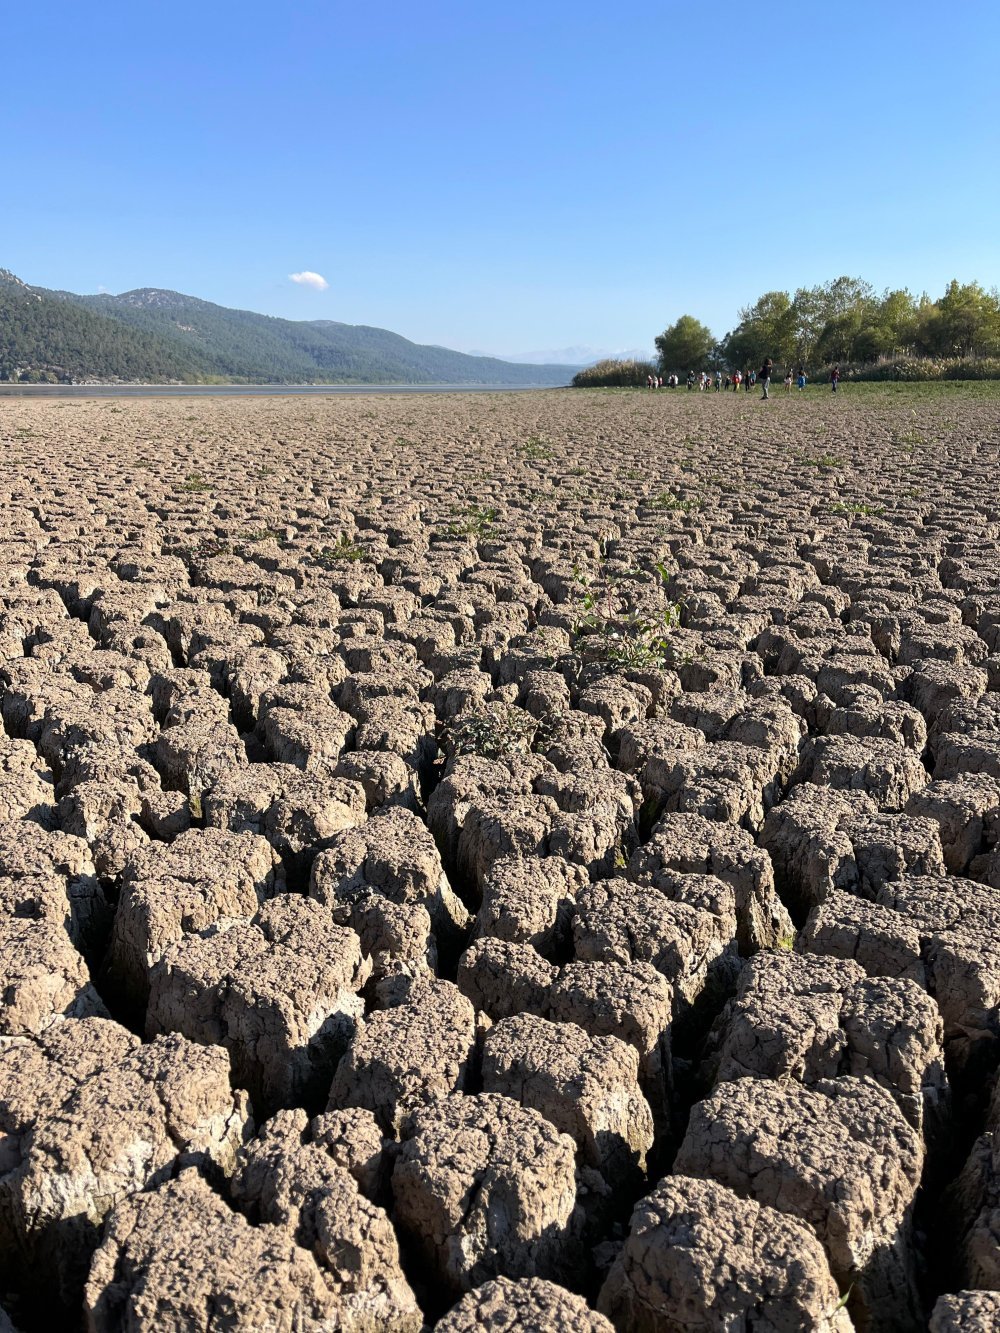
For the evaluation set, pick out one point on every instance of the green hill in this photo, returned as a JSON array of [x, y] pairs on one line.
[[49, 337], [154, 335]]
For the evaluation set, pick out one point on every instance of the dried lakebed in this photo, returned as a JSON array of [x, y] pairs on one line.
[[500, 861]]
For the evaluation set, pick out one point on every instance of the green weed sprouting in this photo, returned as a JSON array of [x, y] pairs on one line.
[[669, 502], [342, 550], [472, 521], [866, 510], [534, 449], [635, 642], [195, 482], [493, 733]]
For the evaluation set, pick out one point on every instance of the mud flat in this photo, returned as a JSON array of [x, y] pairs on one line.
[[500, 861]]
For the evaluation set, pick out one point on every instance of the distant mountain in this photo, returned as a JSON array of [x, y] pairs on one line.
[[156, 335], [575, 357], [44, 335]]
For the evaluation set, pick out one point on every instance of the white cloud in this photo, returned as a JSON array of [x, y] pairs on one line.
[[307, 279]]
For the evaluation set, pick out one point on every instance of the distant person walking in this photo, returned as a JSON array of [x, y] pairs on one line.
[[788, 380], [834, 378], [718, 381], [737, 381], [802, 378], [765, 377]]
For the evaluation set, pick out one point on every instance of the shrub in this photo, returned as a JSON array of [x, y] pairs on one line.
[[614, 374]]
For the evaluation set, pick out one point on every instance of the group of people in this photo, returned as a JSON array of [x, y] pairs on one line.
[[705, 381]]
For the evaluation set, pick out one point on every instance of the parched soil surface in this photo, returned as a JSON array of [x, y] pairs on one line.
[[500, 862]]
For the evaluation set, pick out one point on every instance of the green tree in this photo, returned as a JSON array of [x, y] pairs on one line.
[[840, 305], [965, 321], [765, 329], [685, 345]]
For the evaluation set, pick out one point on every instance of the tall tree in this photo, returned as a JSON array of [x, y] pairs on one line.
[[965, 321], [765, 329], [686, 345]]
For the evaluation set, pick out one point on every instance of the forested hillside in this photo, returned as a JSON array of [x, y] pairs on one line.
[[52, 339], [156, 335]]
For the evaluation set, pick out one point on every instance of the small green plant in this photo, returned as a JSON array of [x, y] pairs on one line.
[[867, 510], [842, 1303], [534, 449], [472, 521], [631, 642], [195, 482], [494, 732], [670, 502], [342, 550], [786, 941]]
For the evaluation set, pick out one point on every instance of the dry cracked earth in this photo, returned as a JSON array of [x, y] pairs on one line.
[[500, 862]]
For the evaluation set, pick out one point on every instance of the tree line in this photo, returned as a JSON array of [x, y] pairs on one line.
[[843, 321]]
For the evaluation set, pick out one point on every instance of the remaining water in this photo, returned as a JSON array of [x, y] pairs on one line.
[[242, 390]]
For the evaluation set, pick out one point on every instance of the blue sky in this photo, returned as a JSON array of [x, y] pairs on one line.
[[502, 178]]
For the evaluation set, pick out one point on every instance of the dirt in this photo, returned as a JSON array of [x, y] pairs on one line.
[[500, 861]]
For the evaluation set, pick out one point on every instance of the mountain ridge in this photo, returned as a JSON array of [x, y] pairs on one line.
[[155, 333]]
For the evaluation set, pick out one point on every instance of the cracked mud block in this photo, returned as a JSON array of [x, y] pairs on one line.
[[114, 1117], [886, 772], [168, 892], [116, 717], [300, 725], [966, 1312], [840, 1157], [385, 778], [409, 1055], [350, 1137], [280, 993], [26, 788], [698, 1258], [868, 715], [394, 856], [807, 1017], [45, 978], [504, 977], [529, 900], [288, 1178], [172, 1254], [933, 687], [820, 839], [298, 813], [939, 931], [691, 844], [633, 1003], [595, 823], [484, 1188], [725, 781], [616, 921], [193, 756], [52, 876], [960, 807], [530, 1304], [586, 1086]]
